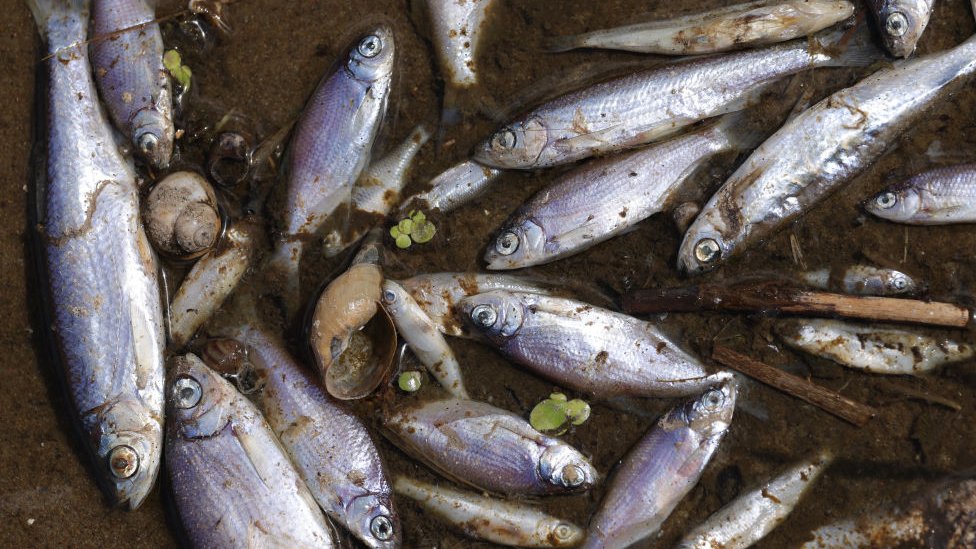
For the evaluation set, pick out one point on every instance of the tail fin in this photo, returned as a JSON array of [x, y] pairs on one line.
[[559, 44], [845, 47], [742, 130]]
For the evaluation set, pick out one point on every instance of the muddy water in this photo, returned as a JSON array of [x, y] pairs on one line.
[[266, 69]]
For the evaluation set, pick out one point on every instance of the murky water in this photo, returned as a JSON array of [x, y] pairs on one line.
[[266, 69]]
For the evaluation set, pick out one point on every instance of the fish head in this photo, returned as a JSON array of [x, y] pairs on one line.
[[896, 203], [897, 282], [519, 244], [152, 133], [703, 248], [196, 398], [130, 443], [393, 297], [498, 315], [517, 146], [371, 57], [373, 520], [564, 467], [902, 23], [710, 414], [559, 533]]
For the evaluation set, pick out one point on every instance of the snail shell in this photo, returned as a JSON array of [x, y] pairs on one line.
[[182, 219]]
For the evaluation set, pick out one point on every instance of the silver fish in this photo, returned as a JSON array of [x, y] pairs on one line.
[[586, 348], [233, 483], [127, 56], [100, 271], [330, 147], [211, 281], [505, 522], [661, 469], [875, 348], [489, 448], [456, 32], [901, 22], [378, 190], [734, 27], [330, 447], [862, 280], [421, 334], [455, 186], [605, 198], [825, 146], [438, 294], [652, 104], [748, 518], [942, 516], [935, 197]]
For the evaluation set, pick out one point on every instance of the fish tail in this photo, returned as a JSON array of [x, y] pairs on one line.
[[45, 11], [282, 272], [559, 44], [844, 47], [741, 130]]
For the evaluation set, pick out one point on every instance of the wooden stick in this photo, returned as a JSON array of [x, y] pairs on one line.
[[775, 297], [825, 399]]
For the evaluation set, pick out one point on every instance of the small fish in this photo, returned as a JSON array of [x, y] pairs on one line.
[[377, 191], [455, 186], [901, 22], [330, 447], [438, 294], [943, 515], [817, 152], [330, 147], [232, 481], [99, 269], [735, 27], [127, 58], [649, 105], [584, 347], [505, 522], [749, 517], [489, 448], [936, 197], [862, 280], [607, 197], [661, 469], [420, 333], [875, 348], [213, 278]]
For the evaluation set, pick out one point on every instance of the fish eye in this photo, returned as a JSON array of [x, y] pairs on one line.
[[713, 400], [147, 143], [571, 475], [389, 297], [886, 200], [899, 283], [381, 527], [484, 315], [897, 24], [504, 139], [370, 46], [707, 250], [186, 393], [123, 461], [507, 243], [563, 531]]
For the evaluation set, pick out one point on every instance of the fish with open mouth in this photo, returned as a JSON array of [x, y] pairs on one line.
[[935, 197]]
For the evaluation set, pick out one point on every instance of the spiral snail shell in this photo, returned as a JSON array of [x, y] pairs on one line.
[[181, 216]]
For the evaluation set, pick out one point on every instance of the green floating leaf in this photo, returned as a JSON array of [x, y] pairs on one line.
[[418, 217], [547, 416], [406, 226], [173, 62], [395, 231], [558, 397], [403, 242], [423, 232], [577, 411], [409, 381]]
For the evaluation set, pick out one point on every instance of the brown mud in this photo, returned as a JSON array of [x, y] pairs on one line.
[[265, 70]]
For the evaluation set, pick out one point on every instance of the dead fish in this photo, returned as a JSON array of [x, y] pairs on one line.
[[901, 22], [935, 197], [751, 516], [99, 270], [734, 27], [489, 448], [505, 522], [330, 147], [127, 57], [817, 152], [875, 348], [861, 280], [423, 338], [233, 483], [330, 447], [943, 515], [586, 348], [454, 187], [377, 191], [661, 469], [649, 105]]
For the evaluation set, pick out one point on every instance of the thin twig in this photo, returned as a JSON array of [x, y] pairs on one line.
[[825, 399]]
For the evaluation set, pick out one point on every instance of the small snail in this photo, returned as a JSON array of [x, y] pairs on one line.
[[181, 216], [229, 161]]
